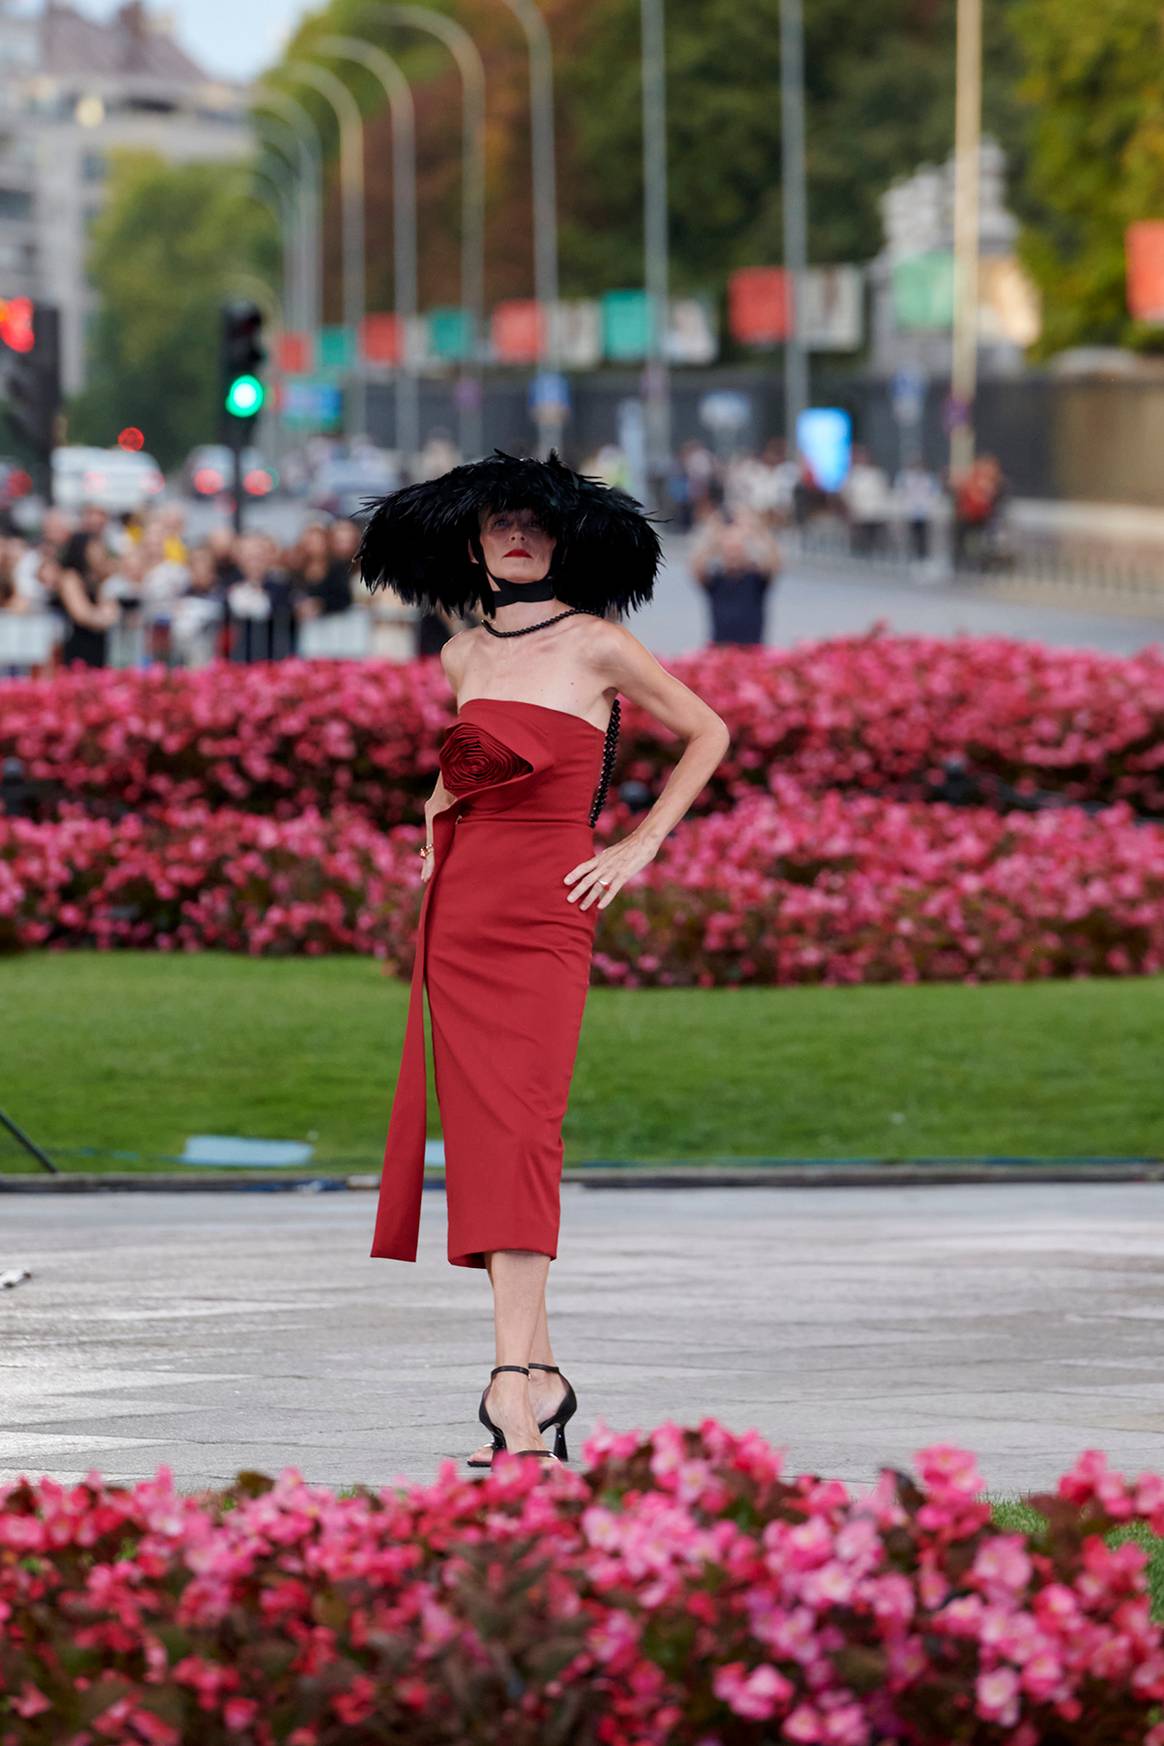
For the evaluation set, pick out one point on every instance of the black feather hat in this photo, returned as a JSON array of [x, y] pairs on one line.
[[416, 541]]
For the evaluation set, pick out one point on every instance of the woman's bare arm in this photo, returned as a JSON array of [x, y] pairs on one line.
[[440, 798], [621, 660]]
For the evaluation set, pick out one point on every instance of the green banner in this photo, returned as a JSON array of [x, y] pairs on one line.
[[337, 348], [625, 325], [448, 333], [923, 290]]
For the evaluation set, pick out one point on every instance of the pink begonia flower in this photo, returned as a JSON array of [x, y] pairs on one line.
[[1002, 1564], [757, 1695], [997, 1694]]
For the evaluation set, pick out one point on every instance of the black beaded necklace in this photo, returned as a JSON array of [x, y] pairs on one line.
[[525, 629], [610, 744]]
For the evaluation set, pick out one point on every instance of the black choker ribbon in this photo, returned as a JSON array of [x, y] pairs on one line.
[[508, 593]]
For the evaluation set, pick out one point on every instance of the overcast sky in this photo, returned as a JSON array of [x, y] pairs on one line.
[[234, 38]]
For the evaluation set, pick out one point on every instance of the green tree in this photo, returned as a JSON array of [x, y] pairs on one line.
[[880, 100], [1094, 82], [171, 243]]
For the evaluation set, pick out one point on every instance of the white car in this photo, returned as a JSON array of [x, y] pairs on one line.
[[115, 479]]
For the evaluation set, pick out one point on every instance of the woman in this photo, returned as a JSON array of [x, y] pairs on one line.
[[81, 593], [507, 918]]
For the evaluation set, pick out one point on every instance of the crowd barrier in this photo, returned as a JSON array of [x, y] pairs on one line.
[[30, 641]]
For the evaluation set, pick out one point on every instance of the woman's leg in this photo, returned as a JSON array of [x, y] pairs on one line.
[[518, 1278]]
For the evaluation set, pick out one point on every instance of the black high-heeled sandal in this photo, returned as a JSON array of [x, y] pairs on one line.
[[498, 1434], [567, 1407]]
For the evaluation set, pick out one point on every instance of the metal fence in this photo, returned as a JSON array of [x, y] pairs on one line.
[[31, 641]]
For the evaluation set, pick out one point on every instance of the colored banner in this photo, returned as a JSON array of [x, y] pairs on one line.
[[578, 325], [692, 336], [626, 328], [758, 306], [337, 349], [449, 334], [380, 339], [293, 353], [1144, 255], [309, 400], [515, 330], [1009, 306], [831, 310], [923, 291]]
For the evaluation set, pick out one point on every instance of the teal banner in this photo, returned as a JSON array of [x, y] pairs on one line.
[[448, 333], [625, 325], [337, 348], [923, 290]]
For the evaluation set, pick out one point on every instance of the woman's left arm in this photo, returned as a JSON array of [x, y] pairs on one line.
[[621, 660]]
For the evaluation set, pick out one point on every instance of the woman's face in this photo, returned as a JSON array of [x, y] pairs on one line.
[[516, 545]]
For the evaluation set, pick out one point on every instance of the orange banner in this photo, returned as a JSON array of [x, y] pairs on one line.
[[516, 331], [380, 339], [758, 305], [1144, 253]]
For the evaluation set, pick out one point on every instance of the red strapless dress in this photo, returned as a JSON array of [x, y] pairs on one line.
[[505, 958]]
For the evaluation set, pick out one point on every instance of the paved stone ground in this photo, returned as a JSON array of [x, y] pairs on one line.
[[851, 1326]]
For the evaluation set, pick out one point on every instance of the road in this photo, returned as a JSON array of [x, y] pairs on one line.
[[850, 1326]]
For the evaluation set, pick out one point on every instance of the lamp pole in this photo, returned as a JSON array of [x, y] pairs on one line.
[[795, 213], [545, 205], [655, 232], [299, 120], [351, 132], [284, 205], [470, 414], [292, 219], [967, 166], [400, 104]]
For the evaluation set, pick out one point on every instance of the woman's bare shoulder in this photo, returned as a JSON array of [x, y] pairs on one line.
[[454, 653]]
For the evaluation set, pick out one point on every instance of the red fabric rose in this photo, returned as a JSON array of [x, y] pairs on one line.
[[470, 757]]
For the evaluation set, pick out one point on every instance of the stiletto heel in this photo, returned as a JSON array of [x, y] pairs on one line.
[[565, 1411], [498, 1434]]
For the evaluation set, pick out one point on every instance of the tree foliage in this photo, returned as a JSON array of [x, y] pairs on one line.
[[172, 242], [880, 100], [1094, 84]]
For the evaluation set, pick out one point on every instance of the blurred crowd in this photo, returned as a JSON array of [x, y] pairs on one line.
[[122, 590], [240, 597]]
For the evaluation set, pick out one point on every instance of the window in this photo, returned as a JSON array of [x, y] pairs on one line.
[[15, 203]]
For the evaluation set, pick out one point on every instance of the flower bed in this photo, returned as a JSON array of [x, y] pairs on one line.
[[678, 1590], [790, 888], [878, 713]]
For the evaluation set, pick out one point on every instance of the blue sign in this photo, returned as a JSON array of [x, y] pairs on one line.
[[824, 436], [549, 388], [308, 400]]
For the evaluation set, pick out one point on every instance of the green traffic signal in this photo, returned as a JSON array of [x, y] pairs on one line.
[[245, 396]]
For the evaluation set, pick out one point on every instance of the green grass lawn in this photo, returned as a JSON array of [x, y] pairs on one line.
[[135, 1051]]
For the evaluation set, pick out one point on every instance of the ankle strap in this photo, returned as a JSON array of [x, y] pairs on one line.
[[498, 1367], [552, 1367]]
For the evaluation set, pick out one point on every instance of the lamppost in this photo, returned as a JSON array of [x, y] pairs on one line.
[[299, 120], [290, 200], [655, 233], [795, 213], [399, 95], [351, 132], [967, 168], [470, 415], [545, 205]]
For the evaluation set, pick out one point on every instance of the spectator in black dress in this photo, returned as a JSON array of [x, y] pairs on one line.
[[89, 612]]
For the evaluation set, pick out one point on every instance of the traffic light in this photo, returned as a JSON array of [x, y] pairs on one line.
[[243, 357], [31, 337]]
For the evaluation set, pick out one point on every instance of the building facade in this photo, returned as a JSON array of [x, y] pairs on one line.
[[73, 91]]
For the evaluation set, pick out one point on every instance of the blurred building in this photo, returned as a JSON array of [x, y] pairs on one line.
[[73, 91]]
